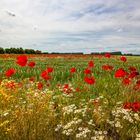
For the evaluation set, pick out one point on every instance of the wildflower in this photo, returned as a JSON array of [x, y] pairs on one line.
[[95, 102], [31, 64], [133, 74], [118, 124], [5, 114], [90, 63], [47, 77], [126, 81], [87, 71], [67, 88], [39, 85], [132, 68], [120, 73], [138, 136], [49, 69], [136, 116], [107, 67], [58, 85], [108, 55], [135, 106], [9, 72], [65, 85], [44, 75], [123, 58], [47, 84], [10, 84], [72, 69], [127, 105], [89, 79], [31, 79], [21, 60], [138, 82]]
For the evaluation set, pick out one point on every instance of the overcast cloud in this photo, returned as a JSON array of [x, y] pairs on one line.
[[71, 25]]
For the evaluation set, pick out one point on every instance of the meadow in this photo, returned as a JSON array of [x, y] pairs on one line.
[[70, 98]]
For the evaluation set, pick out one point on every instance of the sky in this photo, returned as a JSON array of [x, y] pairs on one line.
[[71, 25]]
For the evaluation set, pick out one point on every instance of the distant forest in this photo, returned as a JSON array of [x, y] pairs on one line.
[[18, 51], [32, 51]]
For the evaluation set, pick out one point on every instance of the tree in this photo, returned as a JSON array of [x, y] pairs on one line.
[[38, 52], [2, 51], [7, 50]]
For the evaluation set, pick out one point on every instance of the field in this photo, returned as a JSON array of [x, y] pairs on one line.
[[69, 97]]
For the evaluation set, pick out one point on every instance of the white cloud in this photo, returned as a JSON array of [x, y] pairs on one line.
[[41, 20]]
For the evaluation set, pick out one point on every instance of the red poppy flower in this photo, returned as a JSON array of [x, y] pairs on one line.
[[47, 84], [135, 106], [21, 60], [72, 69], [107, 55], [9, 72], [66, 86], [89, 79], [90, 63], [132, 68], [107, 67], [31, 79], [39, 85], [133, 74], [31, 64], [49, 69], [120, 73], [126, 81], [123, 58], [67, 89], [138, 82], [58, 85], [47, 77], [127, 105], [44, 75], [87, 71]]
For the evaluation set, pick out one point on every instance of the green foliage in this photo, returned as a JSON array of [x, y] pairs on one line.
[[19, 51], [2, 51]]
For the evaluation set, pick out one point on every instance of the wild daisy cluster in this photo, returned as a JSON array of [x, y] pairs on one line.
[[78, 125], [99, 135], [130, 116], [70, 126], [69, 109], [122, 118], [137, 136], [83, 132]]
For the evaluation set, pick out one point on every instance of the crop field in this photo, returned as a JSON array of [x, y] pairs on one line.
[[69, 98]]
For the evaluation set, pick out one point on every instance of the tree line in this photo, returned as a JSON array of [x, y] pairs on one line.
[[32, 51], [18, 51]]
